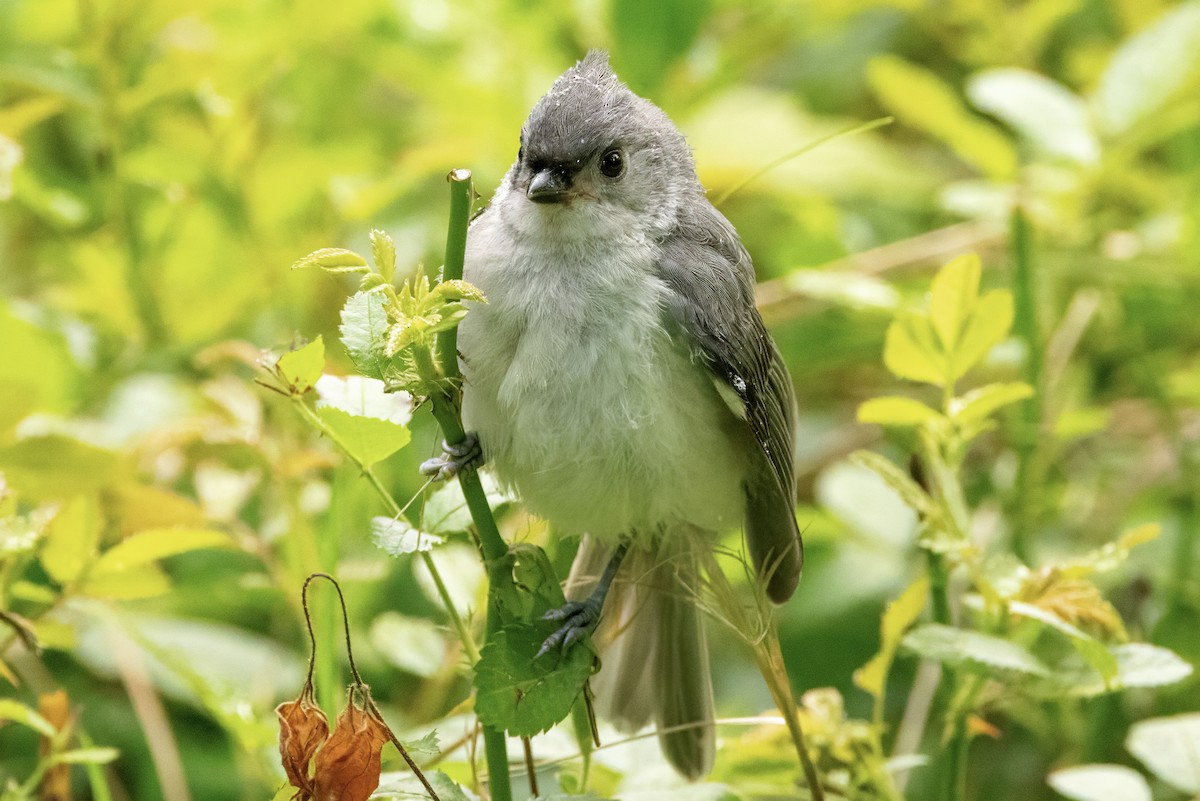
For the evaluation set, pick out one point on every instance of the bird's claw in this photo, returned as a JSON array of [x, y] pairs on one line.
[[578, 620], [466, 455]]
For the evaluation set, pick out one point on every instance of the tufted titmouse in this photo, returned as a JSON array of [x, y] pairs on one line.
[[621, 380]]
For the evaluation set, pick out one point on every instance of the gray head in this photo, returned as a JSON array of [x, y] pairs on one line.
[[590, 140]]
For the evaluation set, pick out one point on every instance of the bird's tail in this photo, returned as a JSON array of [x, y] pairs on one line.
[[654, 658]]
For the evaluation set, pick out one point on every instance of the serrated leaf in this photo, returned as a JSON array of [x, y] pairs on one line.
[[521, 695], [980, 404], [1138, 665], [383, 251], [17, 712], [367, 439], [150, 546], [455, 290], [1100, 783], [972, 650], [302, 367], [1135, 86], [364, 331], [445, 511], [988, 325], [1170, 748], [1046, 114], [908, 490], [71, 539], [899, 615], [894, 410], [397, 537], [910, 350], [952, 298], [1095, 652], [333, 260], [364, 397]]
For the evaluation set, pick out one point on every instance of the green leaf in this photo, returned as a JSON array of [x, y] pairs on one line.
[[910, 350], [920, 99], [368, 439], [987, 327], [980, 653], [302, 367], [456, 289], [426, 747], [1100, 783], [404, 785], [364, 333], [1095, 652], [397, 537], [893, 410], [383, 251], [55, 466], [1046, 114], [333, 260], [71, 539], [521, 695], [1148, 72], [980, 404], [952, 298], [1138, 665], [16, 712], [152, 545], [445, 511], [897, 618], [1170, 748], [86, 756], [908, 490]]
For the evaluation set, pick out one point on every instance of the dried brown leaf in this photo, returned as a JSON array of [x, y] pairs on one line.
[[56, 781], [349, 764], [303, 727]]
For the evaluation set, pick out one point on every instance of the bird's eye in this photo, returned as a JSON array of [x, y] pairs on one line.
[[612, 163]]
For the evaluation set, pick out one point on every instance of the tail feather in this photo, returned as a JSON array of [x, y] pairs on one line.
[[653, 650]]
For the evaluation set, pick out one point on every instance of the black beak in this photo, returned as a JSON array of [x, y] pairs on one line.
[[549, 186]]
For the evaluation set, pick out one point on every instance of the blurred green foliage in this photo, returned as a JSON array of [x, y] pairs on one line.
[[162, 165]]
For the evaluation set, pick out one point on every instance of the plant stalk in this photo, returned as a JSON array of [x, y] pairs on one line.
[[1025, 325], [445, 405]]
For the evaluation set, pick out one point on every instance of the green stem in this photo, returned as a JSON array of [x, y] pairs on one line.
[[446, 411], [460, 627], [1025, 325]]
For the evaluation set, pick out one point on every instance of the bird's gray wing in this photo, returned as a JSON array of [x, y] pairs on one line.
[[711, 302]]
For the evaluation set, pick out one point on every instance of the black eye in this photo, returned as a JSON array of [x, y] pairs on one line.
[[612, 163]]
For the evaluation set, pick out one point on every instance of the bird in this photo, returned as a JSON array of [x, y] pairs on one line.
[[620, 380]]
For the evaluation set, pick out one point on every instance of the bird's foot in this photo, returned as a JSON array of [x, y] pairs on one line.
[[466, 455], [579, 619]]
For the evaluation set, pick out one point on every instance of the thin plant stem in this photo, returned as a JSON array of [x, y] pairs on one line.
[[460, 627], [445, 405]]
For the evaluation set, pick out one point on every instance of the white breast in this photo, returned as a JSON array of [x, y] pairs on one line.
[[582, 401]]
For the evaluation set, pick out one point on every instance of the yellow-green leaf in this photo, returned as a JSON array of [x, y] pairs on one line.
[[71, 539], [910, 350], [981, 403], [908, 490], [899, 615], [383, 250], [368, 439], [893, 410], [301, 368], [952, 298], [150, 546], [17, 712], [129, 584], [333, 260], [986, 328]]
